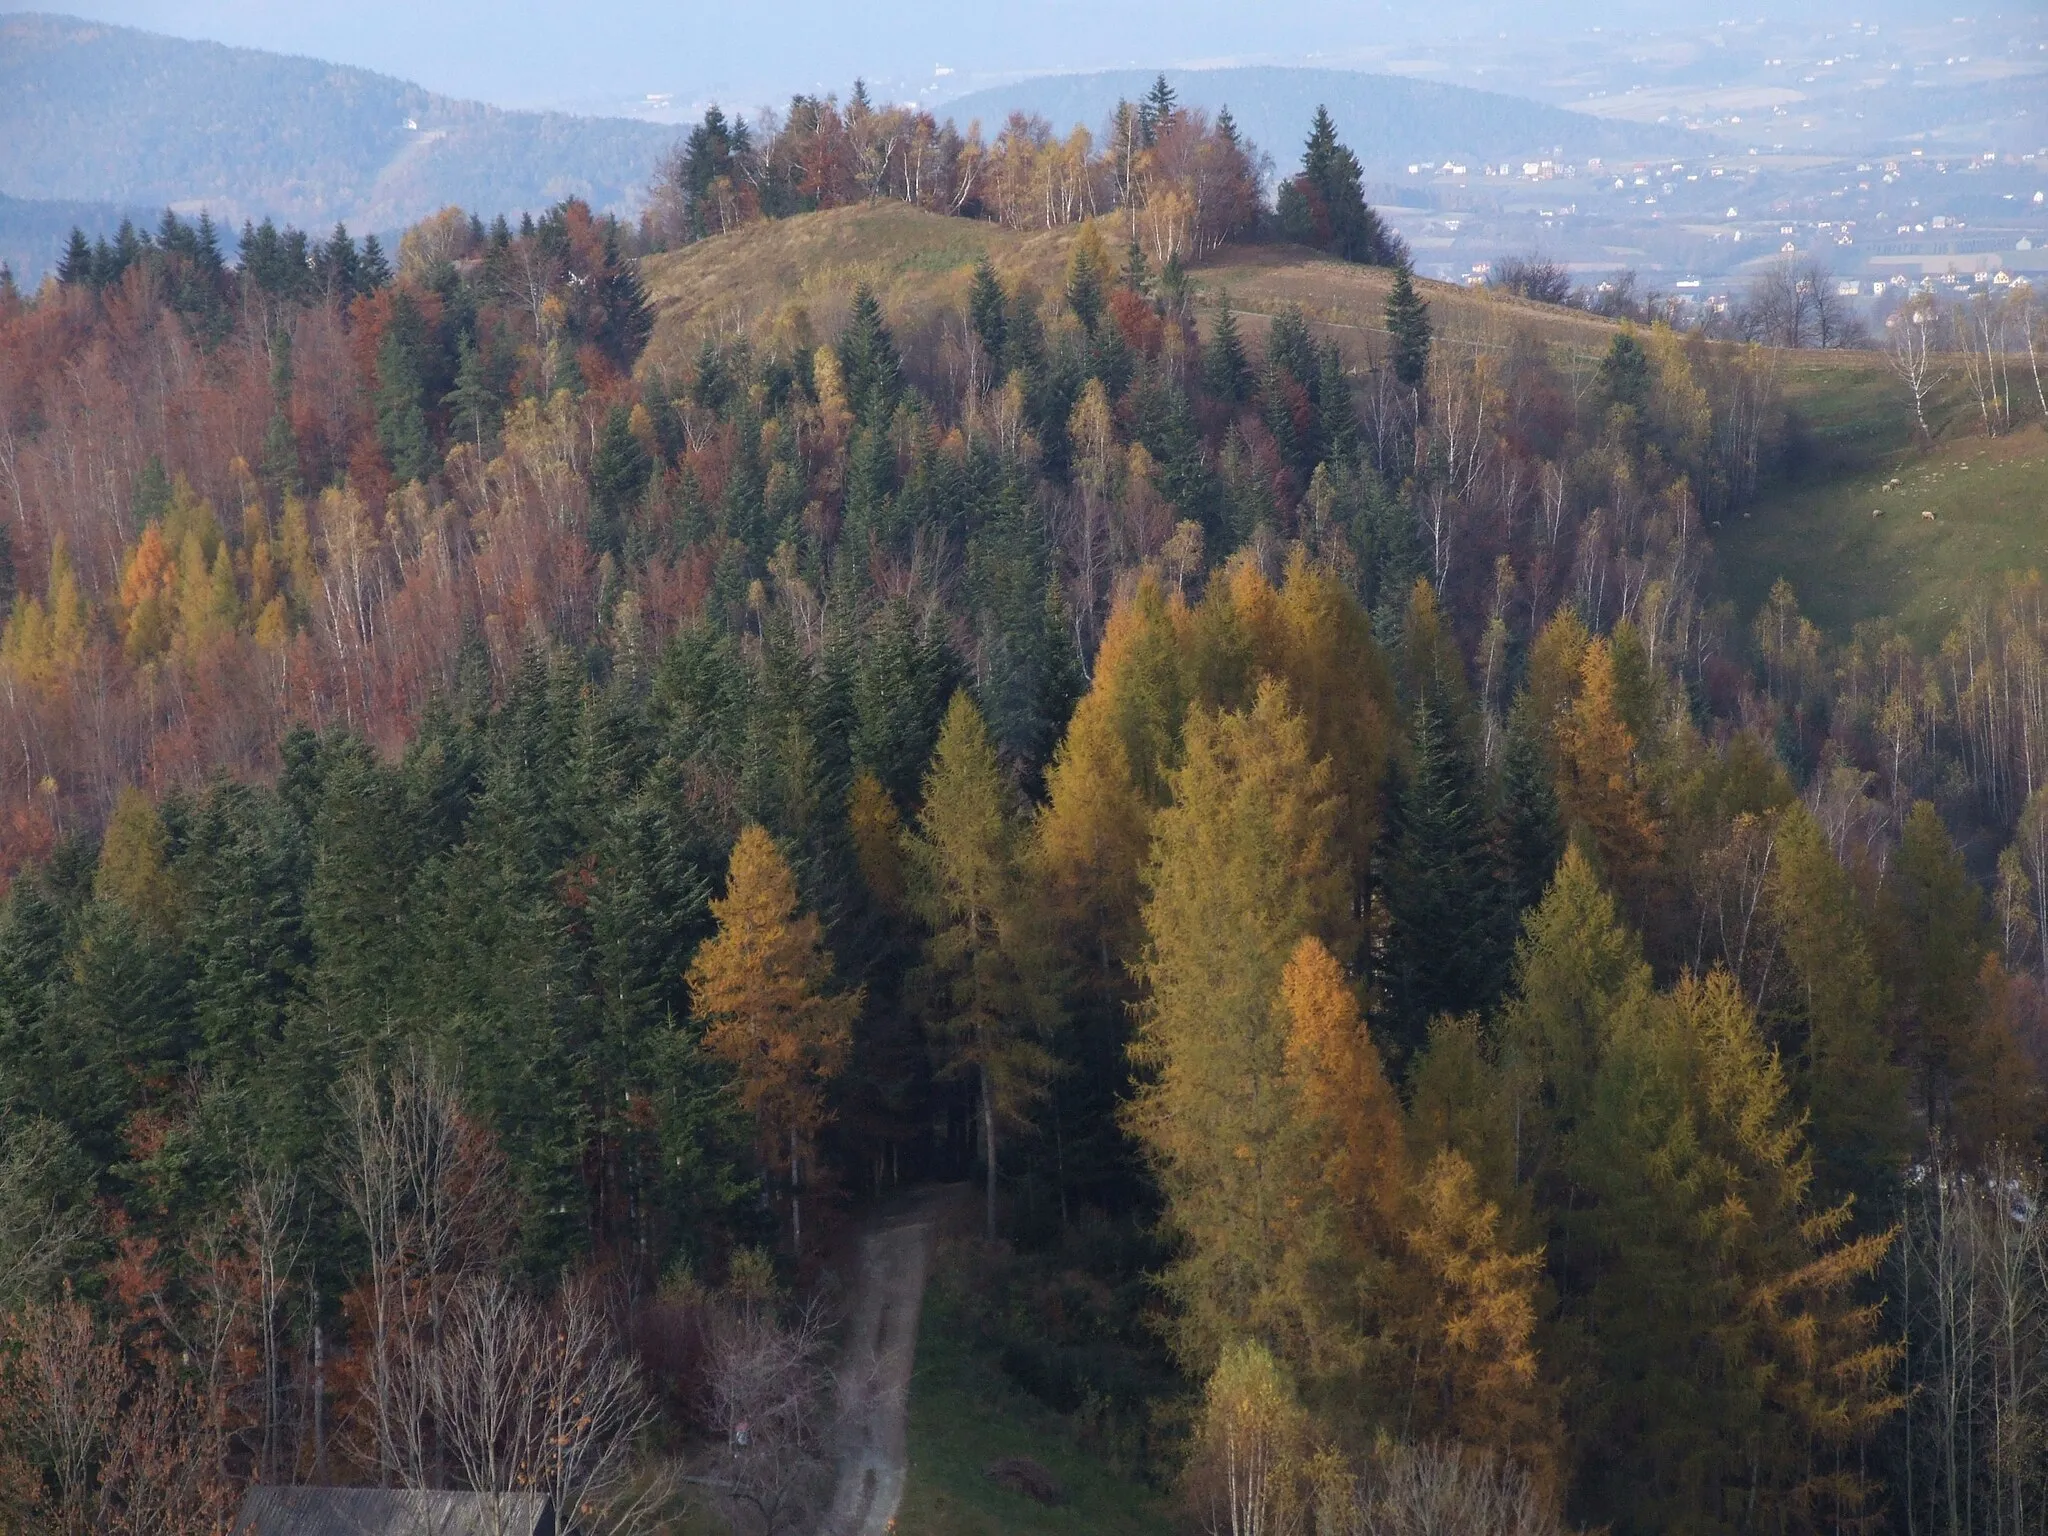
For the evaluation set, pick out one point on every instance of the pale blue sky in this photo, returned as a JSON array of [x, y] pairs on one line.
[[604, 54]]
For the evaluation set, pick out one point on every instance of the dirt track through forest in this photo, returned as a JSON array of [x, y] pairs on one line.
[[874, 1376]]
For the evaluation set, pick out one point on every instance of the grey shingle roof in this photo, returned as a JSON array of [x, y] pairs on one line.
[[391, 1512]]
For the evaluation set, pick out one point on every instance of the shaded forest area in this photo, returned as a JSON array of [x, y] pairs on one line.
[[507, 845]]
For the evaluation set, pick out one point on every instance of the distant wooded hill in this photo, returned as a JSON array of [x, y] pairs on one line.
[[95, 113], [33, 231], [1386, 120]]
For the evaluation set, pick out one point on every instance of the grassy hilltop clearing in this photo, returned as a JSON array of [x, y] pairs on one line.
[[1854, 447]]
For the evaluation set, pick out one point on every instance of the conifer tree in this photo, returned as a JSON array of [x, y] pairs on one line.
[[1325, 205], [1408, 329], [1444, 951], [759, 986], [988, 997], [619, 472], [1086, 271], [372, 270], [1336, 414], [134, 869], [876, 827], [1527, 831], [336, 266], [1575, 968], [401, 412], [1597, 778], [1321, 644], [1243, 867], [1341, 1178], [1743, 1370], [472, 401], [1137, 274], [868, 367], [1276, 408], [1156, 111], [1226, 373], [1854, 1096], [74, 267], [903, 678], [987, 317], [1474, 1371], [1932, 921]]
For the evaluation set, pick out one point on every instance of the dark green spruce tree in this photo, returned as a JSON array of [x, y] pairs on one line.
[[1444, 949], [619, 471], [987, 315], [1324, 205], [1226, 372], [1528, 831], [868, 366], [1408, 329]]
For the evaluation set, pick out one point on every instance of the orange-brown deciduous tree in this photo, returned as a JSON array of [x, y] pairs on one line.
[[760, 987]]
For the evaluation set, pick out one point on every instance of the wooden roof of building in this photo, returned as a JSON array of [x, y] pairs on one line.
[[391, 1512]]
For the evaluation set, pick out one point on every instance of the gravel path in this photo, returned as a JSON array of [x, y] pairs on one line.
[[874, 1378]]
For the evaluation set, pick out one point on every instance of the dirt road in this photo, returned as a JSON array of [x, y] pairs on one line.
[[874, 1378]]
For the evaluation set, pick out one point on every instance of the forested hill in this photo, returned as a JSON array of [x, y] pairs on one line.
[[1387, 119], [33, 230], [102, 113]]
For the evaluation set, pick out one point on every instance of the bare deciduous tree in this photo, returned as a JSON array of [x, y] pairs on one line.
[[274, 1237], [428, 1191], [767, 1392], [1423, 1490], [35, 1234], [122, 1452], [1911, 356], [1972, 1283], [536, 1398]]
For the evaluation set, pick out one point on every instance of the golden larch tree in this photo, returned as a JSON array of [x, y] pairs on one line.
[[985, 984], [1243, 866], [759, 986], [1596, 781]]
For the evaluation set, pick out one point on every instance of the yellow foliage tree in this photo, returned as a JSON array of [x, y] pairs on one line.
[[1340, 1090], [1342, 1171], [45, 639], [1243, 866], [1596, 781], [1088, 844], [759, 987], [1471, 1338], [1554, 662], [1248, 1466], [877, 830], [986, 981], [1338, 679], [133, 868]]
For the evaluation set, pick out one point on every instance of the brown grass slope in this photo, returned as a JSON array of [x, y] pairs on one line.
[[793, 278]]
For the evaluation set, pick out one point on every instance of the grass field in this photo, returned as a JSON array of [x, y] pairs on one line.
[[1861, 454], [964, 1414], [800, 273], [791, 275]]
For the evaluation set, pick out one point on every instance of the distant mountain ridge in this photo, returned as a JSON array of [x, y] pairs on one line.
[[97, 113], [1386, 120]]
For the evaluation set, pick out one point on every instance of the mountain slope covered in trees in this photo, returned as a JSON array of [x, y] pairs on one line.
[[519, 810], [103, 113]]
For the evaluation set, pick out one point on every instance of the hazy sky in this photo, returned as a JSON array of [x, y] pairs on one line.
[[592, 53]]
